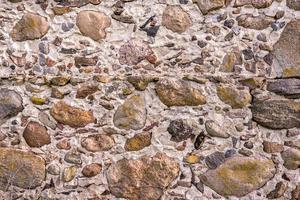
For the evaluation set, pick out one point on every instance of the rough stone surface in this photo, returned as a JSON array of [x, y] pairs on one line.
[[20, 168], [10, 104], [134, 51], [236, 98], [99, 142], [180, 130], [30, 27], [207, 6], [287, 87], [91, 85], [291, 158], [179, 93], [93, 24], [72, 116], [131, 114], [287, 48], [176, 19], [277, 113], [145, 177], [293, 4], [138, 142], [239, 175], [259, 22]]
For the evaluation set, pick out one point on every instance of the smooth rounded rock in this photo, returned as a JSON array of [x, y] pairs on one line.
[[36, 135]]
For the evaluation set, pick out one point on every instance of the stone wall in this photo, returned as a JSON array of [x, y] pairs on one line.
[[149, 99]]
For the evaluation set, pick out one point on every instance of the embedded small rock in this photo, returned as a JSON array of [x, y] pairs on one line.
[[254, 3], [131, 114], [72, 116], [144, 178], [208, 6], [259, 22], [92, 170], [69, 173], [293, 4], [30, 27], [239, 176], [134, 51], [216, 130], [93, 24], [180, 129], [291, 158], [179, 93], [138, 142], [11, 103], [86, 90], [36, 135], [215, 159], [98, 142], [176, 19], [272, 147], [236, 98]]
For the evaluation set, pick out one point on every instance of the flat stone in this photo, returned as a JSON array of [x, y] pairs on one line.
[[291, 158], [36, 135], [92, 170], [143, 178], [10, 104], [176, 19], [81, 61], [286, 50], [21, 169], [30, 27], [180, 130], [134, 51], [208, 6], [293, 4], [131, 114], [233, 96], [254, 3], [98, 142], [86, 90], [138, 142], [72, 116], [289, 88], [239, 176], [173, 92], [250, 21], [276, 113], [93, 24], [272, 147]]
